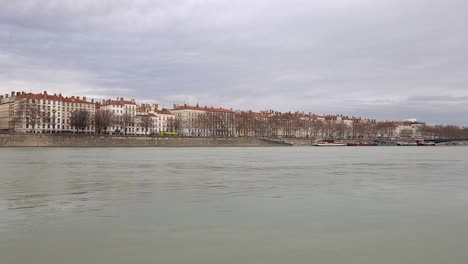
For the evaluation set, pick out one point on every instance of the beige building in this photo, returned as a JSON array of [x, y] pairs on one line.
[[42, 113], [7, 103], [409, 128], [203, 121]]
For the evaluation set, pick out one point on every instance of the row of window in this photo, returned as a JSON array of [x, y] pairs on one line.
[[53, 102], [49, 126]]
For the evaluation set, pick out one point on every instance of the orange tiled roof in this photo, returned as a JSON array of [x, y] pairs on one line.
[[205, 108], [41, 96], [164, 111], [75, 100], [118, 102]]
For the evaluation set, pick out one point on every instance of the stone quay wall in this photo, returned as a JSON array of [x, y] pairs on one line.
[[71, 140]]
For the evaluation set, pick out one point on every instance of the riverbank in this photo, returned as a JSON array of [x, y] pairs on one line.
[[64, 140]]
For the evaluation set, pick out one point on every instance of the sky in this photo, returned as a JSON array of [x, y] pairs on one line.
[[383, 59]]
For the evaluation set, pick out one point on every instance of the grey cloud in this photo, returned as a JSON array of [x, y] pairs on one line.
[[386, 59]]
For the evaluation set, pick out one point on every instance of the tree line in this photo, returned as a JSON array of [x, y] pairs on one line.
[[275, 124], [444, 131]]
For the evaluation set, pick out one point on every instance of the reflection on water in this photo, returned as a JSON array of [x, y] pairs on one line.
[[234, 205]]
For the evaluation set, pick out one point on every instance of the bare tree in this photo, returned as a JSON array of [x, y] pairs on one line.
[[127, 120], [358, 129], [317, 128], [243, 123], [406, 133], [330, 128], [145, 122], [29, 114], [80, 119], [370, 129], [102, 120], [341, 129], [174, 125]]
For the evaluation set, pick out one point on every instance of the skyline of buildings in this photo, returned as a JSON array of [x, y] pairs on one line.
[[53, 113]]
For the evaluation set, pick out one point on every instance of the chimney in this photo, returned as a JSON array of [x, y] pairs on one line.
[[92, 101], [121, 99], [18, 93], [55, 94], [12, 94], [45, 92], [60, 95], [84, 98]]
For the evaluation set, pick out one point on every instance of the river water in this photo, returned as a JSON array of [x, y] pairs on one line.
[[234, 205]]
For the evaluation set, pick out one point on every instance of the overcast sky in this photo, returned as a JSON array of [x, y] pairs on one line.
[[385, 59]]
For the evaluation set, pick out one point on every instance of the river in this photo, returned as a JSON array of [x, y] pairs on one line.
[[234, 205]]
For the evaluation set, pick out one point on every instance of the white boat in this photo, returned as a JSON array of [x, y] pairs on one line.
[[425, 143], [328, 143], [406, 143]]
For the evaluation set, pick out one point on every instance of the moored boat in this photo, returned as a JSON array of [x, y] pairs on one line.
[[425, 143], [361, 144], [328, 143], [401, 143]]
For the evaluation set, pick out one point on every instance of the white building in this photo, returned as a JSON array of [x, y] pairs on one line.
[[124, 115], [203, 121], [42, 113], [409, 128], [151, 120]]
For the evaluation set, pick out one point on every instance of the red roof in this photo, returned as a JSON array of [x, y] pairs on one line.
[[42, 96], [75, 100], [164, 112], [118, 102], [205, 108]]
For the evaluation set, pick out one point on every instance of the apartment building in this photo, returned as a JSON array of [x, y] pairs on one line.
[[124, 112], [151, 120], [42, 112], [7, 103], [203, 121]]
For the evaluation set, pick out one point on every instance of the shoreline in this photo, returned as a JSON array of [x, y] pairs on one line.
[[109, 141], [103, 141]]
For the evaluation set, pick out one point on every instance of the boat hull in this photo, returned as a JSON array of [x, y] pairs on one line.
[[328, 145], [361, 144]]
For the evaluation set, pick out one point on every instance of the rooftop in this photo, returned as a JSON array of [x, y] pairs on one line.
[[204, 108]]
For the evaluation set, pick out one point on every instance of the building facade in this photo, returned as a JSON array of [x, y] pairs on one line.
[[124, 112], [204, 121], [42, 113], [150, 120]]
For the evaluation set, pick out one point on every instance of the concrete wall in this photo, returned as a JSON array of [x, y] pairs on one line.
[[62, 140]]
